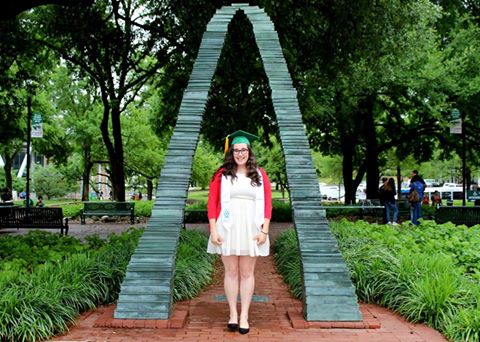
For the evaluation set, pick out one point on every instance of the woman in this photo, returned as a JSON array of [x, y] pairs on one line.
[[390, 204], [436, 200], [239, 213]]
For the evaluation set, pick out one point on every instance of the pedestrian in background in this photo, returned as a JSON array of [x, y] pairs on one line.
[[415, 196], [390, 203]]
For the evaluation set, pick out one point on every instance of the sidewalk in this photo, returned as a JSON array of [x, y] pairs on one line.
[[269, 321]]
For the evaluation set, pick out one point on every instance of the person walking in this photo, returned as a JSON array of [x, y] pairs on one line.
[[417, 187], [390, 203], [436, 200], [239, 213]]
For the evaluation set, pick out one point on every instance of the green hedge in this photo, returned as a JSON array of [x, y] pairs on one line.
[[428, 273], [40, 301]]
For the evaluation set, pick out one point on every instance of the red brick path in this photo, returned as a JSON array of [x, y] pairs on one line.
[[269, 321]]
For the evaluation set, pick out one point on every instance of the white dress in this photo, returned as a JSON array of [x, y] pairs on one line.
[[238, 240]]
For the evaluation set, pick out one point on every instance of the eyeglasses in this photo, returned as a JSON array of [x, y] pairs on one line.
[[242, 151]]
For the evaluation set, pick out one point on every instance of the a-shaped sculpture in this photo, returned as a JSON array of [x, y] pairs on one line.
[[147, 290]]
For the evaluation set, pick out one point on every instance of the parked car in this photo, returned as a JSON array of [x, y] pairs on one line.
[[452, 185], [432, 182]]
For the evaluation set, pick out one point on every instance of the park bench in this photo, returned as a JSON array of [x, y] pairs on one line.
[[39, 218], [107, 209], [468, 216]]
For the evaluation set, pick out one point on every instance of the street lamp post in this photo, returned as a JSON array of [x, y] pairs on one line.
[[29, 141]]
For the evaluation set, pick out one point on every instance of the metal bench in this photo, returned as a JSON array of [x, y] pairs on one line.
[[35, 218], [107, 209], [468, 216]]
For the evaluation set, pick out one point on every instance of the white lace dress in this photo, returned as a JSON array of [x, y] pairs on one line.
[[238, 240]]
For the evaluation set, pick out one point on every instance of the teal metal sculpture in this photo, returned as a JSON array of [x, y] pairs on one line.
[[146, 292]]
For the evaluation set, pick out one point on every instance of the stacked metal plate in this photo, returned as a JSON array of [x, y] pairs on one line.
[[147, 289], [328, 292]]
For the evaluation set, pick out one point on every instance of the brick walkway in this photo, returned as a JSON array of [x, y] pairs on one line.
[[269, 321]]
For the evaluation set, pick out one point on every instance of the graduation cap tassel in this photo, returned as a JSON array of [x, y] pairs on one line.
[[226, 147]]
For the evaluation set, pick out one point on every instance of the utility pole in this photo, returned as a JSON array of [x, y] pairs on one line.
[[29, 141]]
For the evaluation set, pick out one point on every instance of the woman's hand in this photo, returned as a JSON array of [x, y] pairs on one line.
[[260, 238], [216, 239]]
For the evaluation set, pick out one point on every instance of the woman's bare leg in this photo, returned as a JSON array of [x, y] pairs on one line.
[[247, 286], [231, 284]]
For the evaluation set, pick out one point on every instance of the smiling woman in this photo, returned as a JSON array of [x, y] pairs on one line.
[[239, 213]]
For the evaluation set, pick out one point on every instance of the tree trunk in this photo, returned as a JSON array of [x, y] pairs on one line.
[[8, 160], [87, 167], [114, 150], [371, 157], [347, 169], [149, 189]]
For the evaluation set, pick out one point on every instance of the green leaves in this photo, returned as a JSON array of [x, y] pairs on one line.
[[194, 266], [43, 299], [427, 273]]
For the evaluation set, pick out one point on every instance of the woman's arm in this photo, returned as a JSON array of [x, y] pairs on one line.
[[267, 189]]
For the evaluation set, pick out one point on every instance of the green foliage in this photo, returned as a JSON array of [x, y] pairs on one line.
[[71, 210], [205, 162], [194, 266], [35, 248], [427, 273], [46, 279], [288, 262], [49, 182], [143, 208], [281, 211], [39, 304]]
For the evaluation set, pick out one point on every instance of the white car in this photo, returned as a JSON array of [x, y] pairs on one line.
[[452, 185]]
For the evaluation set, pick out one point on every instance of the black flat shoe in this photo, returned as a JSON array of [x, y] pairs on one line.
[[243, 331], [232, 326]]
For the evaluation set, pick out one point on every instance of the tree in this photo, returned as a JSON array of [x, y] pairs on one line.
[[119, 46], [273, 161], [78, 108], [23, 66], [10, 9], [348, 60], [49, 182], [205, 162], [144, 151]]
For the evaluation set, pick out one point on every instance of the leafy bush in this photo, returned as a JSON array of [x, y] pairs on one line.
[[143, 208], [71, 210], [39, 302], [35, 248], [49, 182], [194, 266], [428, 273], [287, 258], [281, 211], [42, 303]]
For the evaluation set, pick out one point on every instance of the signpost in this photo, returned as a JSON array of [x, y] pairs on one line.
[[34, 130], [37, 125], [455, 122], [456, 127]]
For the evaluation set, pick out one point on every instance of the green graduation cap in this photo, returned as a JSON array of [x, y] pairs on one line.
[[239, 137]]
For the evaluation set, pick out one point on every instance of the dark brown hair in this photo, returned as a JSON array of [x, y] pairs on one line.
[[230, 167]]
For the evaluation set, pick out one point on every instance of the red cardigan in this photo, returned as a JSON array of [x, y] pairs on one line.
[[214, 204]]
